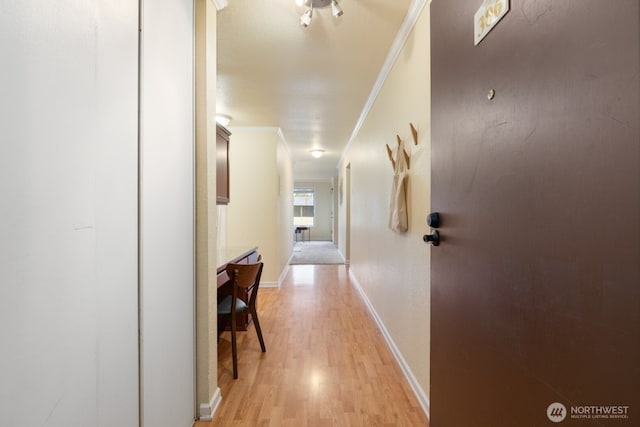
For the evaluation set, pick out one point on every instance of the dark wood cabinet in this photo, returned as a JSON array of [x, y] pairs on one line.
[[222, 165]]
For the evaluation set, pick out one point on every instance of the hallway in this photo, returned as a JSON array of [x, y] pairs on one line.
[[326, 362]]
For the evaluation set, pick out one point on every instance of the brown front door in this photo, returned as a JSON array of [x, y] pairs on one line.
[[536, 283]]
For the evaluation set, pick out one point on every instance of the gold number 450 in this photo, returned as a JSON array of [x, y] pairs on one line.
[[489, 16]]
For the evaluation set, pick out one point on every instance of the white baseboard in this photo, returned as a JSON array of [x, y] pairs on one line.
[[208, 410], [344, 258], [284, 272], [268, 284], [413, 382]]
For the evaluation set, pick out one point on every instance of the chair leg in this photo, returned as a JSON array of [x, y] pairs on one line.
[[222, 325], [234, 349], [254, 314]]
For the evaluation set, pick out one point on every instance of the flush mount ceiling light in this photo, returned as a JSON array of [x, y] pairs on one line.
[[305, 19], [317, 153], [223, 119]]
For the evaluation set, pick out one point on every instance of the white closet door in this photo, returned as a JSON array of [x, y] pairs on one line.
[[68, 213], [167, 214]]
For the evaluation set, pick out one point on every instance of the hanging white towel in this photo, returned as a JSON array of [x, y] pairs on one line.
[[398, 220]]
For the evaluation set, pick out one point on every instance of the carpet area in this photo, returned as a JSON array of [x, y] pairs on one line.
[[315, 253]]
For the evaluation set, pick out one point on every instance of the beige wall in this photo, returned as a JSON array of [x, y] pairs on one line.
[[259, 169], [323, 200], [206, 212], [393, 269], [285, 211]]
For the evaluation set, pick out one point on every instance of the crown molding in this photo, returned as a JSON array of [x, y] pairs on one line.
[[415, 9]]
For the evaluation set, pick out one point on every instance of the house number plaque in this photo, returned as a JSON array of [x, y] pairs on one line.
[[489, 14]]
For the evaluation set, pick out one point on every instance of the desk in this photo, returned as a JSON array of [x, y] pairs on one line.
[[235, 255], [300, 230]]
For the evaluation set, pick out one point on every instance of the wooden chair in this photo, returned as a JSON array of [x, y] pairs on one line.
[[245, 276]]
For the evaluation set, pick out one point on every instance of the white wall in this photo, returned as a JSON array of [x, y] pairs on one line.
[[321, 229], [393, 269], [68, 235], [167, 213]]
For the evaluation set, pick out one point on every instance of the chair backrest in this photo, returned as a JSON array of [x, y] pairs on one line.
[[245, 276]]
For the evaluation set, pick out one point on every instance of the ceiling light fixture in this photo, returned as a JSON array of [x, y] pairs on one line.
[[336, 11], [305, 19], [220, 4], [317, 153], [223, 119]]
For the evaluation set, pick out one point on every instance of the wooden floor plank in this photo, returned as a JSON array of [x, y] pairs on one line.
[[326, 362]]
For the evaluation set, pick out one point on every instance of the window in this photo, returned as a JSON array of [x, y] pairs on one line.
[[303, 207]]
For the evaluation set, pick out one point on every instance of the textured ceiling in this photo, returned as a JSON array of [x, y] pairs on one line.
[[312, 83]]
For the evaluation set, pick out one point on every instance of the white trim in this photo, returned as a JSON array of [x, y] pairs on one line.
[[220, 4], [413, 382], [284, 272], [269, 284], [346, 261], [208, 410], [415, 9], [284, 142], [195, 218]]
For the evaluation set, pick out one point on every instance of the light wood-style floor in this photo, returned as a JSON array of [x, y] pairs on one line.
[[326, 363]]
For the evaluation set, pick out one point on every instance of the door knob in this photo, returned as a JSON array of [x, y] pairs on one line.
[[433, 220], [433, 238]]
